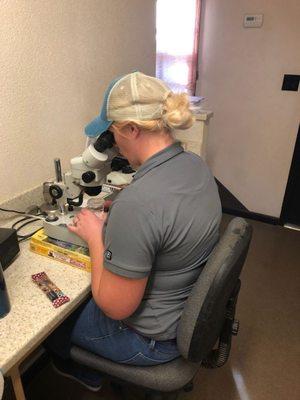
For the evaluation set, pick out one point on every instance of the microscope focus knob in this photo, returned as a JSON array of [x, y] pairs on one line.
[[55, 191], [127, 170], [88, 176], [51, 216]]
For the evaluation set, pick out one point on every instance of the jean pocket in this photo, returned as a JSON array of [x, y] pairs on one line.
[[167, 348], [141, 359]]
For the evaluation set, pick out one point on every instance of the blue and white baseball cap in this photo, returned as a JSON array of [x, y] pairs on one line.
[[134, 96]]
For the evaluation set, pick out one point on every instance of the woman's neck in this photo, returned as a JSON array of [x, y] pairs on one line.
[[152, 143]]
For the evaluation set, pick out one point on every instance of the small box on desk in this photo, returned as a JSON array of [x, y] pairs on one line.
[[9, 246], [67, 253]]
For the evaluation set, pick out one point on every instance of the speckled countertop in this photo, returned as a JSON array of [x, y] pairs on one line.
[[32, 316]]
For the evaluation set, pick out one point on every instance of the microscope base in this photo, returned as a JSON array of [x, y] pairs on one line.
[[58, 230]]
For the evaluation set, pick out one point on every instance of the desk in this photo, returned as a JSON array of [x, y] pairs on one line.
[[32, 317]]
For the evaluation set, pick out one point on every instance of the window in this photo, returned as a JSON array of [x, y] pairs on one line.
[[177, 41]]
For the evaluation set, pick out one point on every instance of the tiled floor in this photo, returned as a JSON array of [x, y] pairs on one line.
[[265, 356]]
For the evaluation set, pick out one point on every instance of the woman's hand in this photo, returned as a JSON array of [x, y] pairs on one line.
[[88, 225], [106, 205]]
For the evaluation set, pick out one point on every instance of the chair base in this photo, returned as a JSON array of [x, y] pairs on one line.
[[121, 392]]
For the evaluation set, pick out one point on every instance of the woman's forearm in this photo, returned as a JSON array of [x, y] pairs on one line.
[[96, 254]]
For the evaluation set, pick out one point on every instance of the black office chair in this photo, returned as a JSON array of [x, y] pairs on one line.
[[208, 318]]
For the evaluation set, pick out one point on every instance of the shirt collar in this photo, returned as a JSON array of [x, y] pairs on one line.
[[159, 158]]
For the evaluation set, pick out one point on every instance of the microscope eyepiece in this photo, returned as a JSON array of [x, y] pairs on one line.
[[104, 141]]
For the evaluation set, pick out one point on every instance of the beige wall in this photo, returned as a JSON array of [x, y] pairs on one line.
[[56, 59], [253, 131]]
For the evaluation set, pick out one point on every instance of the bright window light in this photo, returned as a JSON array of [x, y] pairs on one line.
[[175, 26], [176, 43]]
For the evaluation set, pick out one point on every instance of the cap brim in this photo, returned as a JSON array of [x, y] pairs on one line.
[[97, 127]]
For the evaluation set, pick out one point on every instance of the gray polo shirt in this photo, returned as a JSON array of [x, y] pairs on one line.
[[163, 225]]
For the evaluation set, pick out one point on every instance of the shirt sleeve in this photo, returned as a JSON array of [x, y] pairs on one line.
[[131, 239]]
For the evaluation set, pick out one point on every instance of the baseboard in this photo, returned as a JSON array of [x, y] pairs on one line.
[[252, 215], [231, 205], [228, 200]]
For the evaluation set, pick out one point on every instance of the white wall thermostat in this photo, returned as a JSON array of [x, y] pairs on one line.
[[253, 20]]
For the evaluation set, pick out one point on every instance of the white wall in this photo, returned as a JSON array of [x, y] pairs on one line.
[[253, 131], [56, 59]]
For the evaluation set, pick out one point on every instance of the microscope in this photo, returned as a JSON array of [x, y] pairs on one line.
[[96, 175]]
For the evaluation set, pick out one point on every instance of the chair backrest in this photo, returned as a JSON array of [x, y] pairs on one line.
[[205, 310]]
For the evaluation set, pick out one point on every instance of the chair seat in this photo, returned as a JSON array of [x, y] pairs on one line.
[[166, 377]]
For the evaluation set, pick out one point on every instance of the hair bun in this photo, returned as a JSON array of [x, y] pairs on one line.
[[177, 113]]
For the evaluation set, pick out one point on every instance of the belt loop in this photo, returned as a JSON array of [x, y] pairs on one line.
[[152, 344]]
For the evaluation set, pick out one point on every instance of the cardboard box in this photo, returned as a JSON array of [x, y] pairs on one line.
[[67, 253]]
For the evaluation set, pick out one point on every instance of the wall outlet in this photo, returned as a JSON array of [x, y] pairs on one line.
[[291, 82]]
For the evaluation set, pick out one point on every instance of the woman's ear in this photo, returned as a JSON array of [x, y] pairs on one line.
[[129, 131], [133, 130]]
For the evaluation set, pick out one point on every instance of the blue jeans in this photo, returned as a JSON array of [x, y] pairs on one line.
[[90, 329]]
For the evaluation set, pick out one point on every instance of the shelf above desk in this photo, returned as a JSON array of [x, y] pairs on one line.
[[195, 138]]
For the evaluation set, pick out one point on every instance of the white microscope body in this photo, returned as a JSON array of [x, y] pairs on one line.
[[90, 176]]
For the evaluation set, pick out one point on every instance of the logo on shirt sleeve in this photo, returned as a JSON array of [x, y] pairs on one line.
[[107, 255]]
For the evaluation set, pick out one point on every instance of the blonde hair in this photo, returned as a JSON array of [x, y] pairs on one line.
[[176, 114]]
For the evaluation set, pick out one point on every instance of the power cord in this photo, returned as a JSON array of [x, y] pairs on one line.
[[21, 212], [14, 211], [29, 218], [20, 220], [25, 237]]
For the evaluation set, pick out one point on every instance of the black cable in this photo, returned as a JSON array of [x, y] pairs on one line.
[[28, 236], [25, 219], [21, 212], [31, 219], [28, 216], [14, 211], [27, 223], [24, 237], [20, 220]]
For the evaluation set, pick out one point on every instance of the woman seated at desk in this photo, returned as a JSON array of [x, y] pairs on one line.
[[150, 248]]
